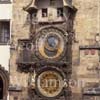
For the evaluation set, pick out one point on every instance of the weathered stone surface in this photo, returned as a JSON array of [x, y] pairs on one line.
[[86, 26]]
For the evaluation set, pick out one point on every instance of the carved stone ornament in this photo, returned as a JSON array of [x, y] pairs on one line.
[[32, 5]]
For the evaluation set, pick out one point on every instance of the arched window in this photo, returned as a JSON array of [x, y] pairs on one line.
[[1, 88], [4, 81]]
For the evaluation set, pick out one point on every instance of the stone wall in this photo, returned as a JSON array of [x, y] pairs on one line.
[[86, 26], [87, 20], [20, 30]]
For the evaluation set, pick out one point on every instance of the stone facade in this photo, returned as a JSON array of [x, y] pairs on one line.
[[86, 27], [85, 49], [5, 22], [19, 25]]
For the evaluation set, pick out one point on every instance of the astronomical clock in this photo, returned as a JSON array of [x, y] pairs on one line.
[[47, 55], [51, 44]]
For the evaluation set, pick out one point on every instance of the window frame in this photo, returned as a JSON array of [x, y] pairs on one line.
[[62, 11], [9, 30], [5, 1], [44, 10]]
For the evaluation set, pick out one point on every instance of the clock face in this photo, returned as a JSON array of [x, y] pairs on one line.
[[50, 44], [49, 83]]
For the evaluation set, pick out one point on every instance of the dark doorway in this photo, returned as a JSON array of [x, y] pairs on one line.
[[1, 88]]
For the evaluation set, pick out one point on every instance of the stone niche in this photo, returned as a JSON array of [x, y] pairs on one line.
[[89, 54], [89, 60]]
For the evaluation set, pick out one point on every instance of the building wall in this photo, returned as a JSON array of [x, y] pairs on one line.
[[86, 27], [20, 30], [5, 11], [5, 15], [5, 56], [87, 20]]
